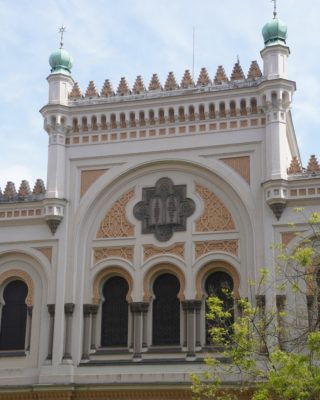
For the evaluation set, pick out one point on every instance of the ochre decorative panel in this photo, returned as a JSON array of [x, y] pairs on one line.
[[46, 251], [26, 278], [286, 237], [118, 251], [216, 217], [149, 250], [115, 223], [88, 178], [239, 164], [205, 247]]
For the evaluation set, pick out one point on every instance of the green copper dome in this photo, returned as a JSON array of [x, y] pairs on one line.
[[60, 62], [274, 32]]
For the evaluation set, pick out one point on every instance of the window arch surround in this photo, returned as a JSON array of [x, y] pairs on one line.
[[23, 276], [158, 270], [14, 315], [209, 269], [104, 275]]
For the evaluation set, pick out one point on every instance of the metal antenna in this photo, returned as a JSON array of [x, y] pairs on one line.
[[193, 45], [274, 8], [62, 31]]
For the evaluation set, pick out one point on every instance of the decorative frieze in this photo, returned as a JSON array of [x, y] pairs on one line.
[[216, 216], [150, 250], [205, 247], [115, 223], [125, 252]]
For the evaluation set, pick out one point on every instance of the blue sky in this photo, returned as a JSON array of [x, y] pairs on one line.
[[111, 39]]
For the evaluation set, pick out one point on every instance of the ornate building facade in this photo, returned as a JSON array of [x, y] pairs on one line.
[[154, 197]]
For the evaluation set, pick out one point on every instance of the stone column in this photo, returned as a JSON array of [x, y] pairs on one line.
[[137, 310], [311, 311], [145, 307], [86, 331], [280, 301], [28, 327], [94, 312], [198, 304], [185, 325], [261, 304], [189, 307], [51, 310], [68, 310]]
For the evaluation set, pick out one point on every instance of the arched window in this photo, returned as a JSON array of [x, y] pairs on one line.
[[191, 113], [114, 323], [132, 120], [14, 316], [181, 114], [123, 123], [161, 117], [103, 122], [212, 111], [151, 117], [233, 112], [202, 114], [219, 284], [84, 124], [171, 115], [75, 126], [243, 107], [254, 108], [166, 311], [142, 121], [222, 110], [113, 121], [94, 124]]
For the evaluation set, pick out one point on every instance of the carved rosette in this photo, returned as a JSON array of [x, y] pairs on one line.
[[110, 252], [115, 223], [164, 209], [205, 247], [150, 250], [216, 216]]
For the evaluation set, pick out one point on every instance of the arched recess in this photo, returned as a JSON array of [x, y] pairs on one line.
[[160, 269], [25, 277], [108, 273], [216, 266]]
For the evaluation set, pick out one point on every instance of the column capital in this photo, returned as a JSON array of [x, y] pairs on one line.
[[87, 309], [280, 300], [261, 300], [68, 308], [139, 306], [189, 305], [51, 309], [29, 310], [94, 309]]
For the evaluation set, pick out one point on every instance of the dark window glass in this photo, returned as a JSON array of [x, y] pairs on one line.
[[166, 311], [14, 316], [114, 326], [219, 284]]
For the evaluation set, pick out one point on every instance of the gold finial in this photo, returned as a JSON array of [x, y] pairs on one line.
[[274, 8], [62, 31]]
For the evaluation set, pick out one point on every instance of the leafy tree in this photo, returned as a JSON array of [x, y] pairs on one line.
[[272, 350]]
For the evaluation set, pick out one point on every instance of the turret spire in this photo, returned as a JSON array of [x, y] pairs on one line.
[[274, 8]]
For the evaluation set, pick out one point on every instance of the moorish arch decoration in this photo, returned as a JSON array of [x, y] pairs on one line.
[[162, 269], [115, 223], [110, 272], [216, 216], [164, 209], [25, 277], [149, 250], [216, 266]]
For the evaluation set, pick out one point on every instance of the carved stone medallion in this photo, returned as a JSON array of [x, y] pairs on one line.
[[164, 209]]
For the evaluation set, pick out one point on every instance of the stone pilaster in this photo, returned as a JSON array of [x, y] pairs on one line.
[[137, 310], [28, 327], [280, 302], [68, 310], [145, 325], [198, 305], [261, 305], [51, 310], [86, 331], [189, 307], [94, 312]]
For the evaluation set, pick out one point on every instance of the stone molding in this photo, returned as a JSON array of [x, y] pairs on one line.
[[25, 277]]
